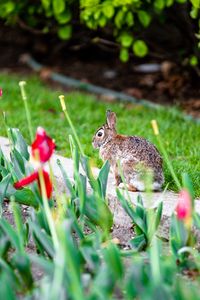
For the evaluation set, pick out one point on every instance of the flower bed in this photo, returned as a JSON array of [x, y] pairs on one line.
[[71, 233]]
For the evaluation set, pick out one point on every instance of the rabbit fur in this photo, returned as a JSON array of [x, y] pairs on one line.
[[136, 156]]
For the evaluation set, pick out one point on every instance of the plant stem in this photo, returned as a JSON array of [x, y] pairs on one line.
[[28, 116], [62, 102], [48, 211], [164, 152]]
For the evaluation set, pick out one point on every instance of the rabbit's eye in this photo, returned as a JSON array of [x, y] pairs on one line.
[[100, 133]]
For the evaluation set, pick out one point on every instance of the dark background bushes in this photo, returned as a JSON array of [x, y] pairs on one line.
[[162, 29]]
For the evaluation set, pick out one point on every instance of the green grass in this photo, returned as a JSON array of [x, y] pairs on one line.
[[181, 138]]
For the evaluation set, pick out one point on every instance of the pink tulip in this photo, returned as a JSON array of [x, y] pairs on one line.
[[1, 92], [184, 206]]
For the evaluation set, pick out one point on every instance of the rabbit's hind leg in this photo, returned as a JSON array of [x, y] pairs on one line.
[[118, 179]]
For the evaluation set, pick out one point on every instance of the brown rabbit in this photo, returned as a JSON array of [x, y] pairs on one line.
[[135, 154]]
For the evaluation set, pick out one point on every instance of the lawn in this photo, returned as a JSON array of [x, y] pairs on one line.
[[181, 137]]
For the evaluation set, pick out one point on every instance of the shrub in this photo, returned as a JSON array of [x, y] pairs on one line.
[[124, 21]]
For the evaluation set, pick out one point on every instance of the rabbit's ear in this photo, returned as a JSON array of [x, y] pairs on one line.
[[111, 119]]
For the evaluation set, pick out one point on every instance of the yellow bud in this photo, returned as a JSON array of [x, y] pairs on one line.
[[22, 84], [62, 102], [155, 127]]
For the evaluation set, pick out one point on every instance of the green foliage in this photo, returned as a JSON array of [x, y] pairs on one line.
[[125, 18], [146, 221], [140, 48]]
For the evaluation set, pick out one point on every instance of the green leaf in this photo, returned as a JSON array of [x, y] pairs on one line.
[[108, 10], [67, 181], [92, 181], [158, 215], [129, 19], [72, 259], [140, 48], [103, 178], [119, 19], [12, 235], [131, 212], [113, 260], [65, 32], [58, 6], [187, 183], [46, 264], [126, 39], [20, 227], [124, 55], [42, 237], [159, 4], [8, 7], [3, 187], [64, 17], [196, 219], [10, 282], [102, 21], [18, 163], [169, 3], [138, 243], [98, 212], [194, 12], [81, 182], [193, 61], [144, 18], [25, 196], [153, 221], [22, 264], [46, 4], [19, 143], [195, 3], [89, 253], [178, 235]]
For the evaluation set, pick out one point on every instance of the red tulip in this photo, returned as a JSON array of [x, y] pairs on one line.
[[184, 206], [1, 92], [35, 177], [43, 146]]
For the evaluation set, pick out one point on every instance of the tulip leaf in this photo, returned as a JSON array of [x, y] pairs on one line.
[[22, 263], [4, 186], [26, 197], [103, 178], [19, 142], [139, 242], [18, 163], [136, 218], [67, 181], [112, 258], [98, 212], [45, 264], [44, 240], [11, 234]]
